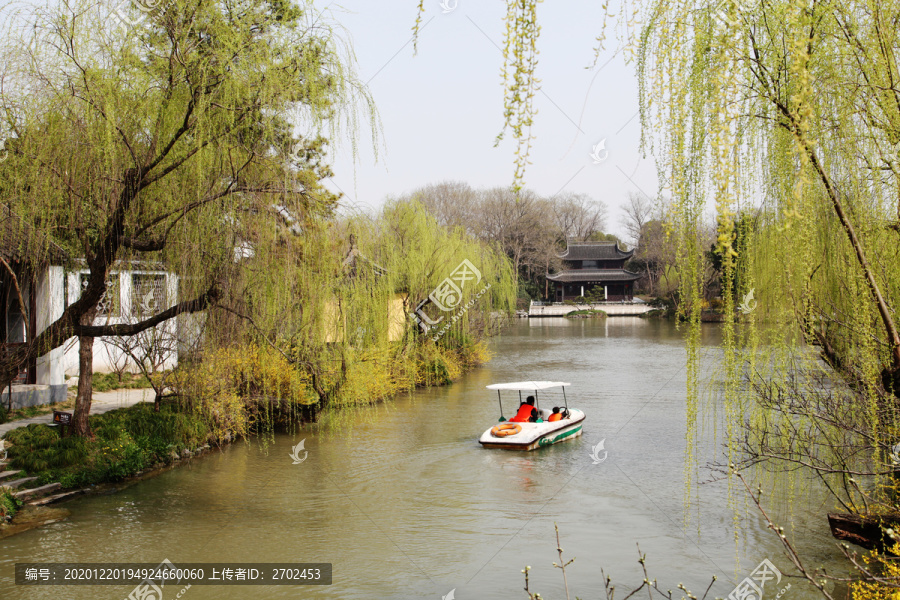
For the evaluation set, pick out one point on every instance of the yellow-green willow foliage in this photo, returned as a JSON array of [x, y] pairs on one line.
[[166, 135], [787, 112], [404, 255], [337, 309], [244, 388], [520, 82]]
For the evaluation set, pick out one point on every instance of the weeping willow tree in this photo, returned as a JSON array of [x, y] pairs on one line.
[[788, 112], [166, 135], [353, 291]]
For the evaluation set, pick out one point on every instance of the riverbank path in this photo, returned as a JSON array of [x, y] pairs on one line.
[[100, 403]]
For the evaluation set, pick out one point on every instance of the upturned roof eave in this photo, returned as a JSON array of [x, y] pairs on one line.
[[620, 254]]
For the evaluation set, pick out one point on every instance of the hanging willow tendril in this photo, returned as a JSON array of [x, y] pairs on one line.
[[520, 82]]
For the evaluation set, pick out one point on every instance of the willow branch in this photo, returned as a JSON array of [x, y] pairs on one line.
[[792, 553]]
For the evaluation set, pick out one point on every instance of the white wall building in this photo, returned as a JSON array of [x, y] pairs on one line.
[[131, 296]]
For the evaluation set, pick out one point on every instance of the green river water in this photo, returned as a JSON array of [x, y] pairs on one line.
[[404, 503]]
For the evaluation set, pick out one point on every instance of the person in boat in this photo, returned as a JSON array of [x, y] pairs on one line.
[[527, 412], [556, 415]]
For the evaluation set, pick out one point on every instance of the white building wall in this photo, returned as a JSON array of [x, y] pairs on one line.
[[108, 354], [50, 300]]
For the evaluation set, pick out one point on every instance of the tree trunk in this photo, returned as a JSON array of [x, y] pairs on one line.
[[892, 376], [80, 424], [863, 530]]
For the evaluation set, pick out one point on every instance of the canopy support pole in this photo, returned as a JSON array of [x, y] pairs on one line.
[[501, 403], [565, 399]]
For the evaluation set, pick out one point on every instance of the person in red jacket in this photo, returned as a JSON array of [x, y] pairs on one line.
[[527, 412]]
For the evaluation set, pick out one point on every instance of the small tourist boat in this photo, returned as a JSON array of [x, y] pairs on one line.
[[544, 428]]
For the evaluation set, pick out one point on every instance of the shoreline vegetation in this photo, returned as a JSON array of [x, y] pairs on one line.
[[237, 393], [299, 339], [591, 313]]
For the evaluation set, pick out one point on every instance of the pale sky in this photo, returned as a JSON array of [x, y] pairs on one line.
[[442, 109]]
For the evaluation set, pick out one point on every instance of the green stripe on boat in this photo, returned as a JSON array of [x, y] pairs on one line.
[[546, 441]]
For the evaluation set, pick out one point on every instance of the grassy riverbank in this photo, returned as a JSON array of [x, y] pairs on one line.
[[125, 442]]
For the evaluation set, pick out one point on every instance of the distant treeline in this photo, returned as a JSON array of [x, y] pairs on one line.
[[532, 230]]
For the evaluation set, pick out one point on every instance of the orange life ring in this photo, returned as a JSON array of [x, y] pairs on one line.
[[505, 429]]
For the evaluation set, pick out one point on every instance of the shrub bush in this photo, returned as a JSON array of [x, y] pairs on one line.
[[9, 504], [230, 387]]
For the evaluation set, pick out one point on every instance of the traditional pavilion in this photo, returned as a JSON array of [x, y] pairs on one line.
[[587, 265]]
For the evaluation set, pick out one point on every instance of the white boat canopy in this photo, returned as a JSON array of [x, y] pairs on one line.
[[526, 386]]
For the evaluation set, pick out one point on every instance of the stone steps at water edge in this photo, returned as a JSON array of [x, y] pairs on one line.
[[18, 482], [38, 491], [8, 474], [38, 496], [54, 498]]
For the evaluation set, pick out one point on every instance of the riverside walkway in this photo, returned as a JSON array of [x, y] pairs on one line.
[[613, 309], [100, 403]]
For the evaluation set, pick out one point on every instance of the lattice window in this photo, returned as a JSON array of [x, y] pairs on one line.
[[109, 305], [148, 293]]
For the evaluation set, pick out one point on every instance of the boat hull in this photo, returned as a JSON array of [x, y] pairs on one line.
[[537, 435]]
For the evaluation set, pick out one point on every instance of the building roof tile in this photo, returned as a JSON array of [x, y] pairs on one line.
[[586, 275], [594, 251]]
